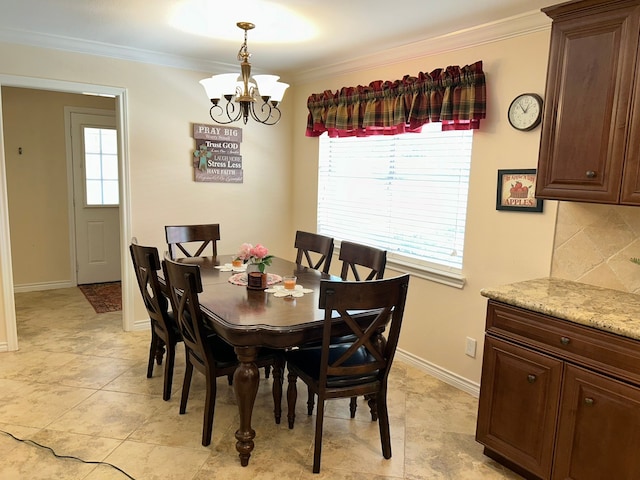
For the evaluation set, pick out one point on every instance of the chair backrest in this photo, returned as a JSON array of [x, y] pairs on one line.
[[202, 235], [354, 255], [146, 264], [313, 243], [387, 298], [184, 284]]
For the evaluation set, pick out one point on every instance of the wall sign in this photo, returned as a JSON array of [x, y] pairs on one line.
[[517, 190], [217, 155]]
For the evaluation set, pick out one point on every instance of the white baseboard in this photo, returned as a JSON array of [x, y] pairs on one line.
[[440, 373], [35, 287], [139, 325], [4, 347]]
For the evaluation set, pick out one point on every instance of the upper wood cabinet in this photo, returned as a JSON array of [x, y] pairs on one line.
[[590, 143]]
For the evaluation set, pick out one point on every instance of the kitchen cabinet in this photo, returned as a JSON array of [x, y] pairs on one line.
[[520, 394], [590, 140], [558, 400], [598, 428]]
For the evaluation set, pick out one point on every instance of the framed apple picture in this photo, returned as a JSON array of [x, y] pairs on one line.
[[517, 191]]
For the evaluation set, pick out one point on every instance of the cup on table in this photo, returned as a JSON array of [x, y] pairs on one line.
[[236, 262], [289, 282]]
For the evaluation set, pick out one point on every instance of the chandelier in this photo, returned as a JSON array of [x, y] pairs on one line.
[[246, 96]]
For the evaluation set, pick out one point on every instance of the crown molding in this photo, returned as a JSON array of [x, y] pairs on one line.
[[89, 47], [515, 26], [518, 25]]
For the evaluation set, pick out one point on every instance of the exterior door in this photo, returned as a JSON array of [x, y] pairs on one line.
[[96, 197]]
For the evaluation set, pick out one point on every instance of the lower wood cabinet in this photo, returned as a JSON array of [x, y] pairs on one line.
[[550, 406], [598, 428], [519, 395]]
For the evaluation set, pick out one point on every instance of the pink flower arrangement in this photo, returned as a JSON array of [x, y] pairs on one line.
[[258, 255], [245, 252]]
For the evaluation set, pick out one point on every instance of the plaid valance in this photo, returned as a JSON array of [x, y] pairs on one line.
[[455, 96]]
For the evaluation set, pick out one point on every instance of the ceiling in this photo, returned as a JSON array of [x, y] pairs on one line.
[[329, 32]]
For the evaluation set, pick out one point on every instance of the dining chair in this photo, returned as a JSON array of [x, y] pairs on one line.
[[314, 250], [359, 262], [205, 350], [165, 332], [361, 367], [200, 235], [356, 257]]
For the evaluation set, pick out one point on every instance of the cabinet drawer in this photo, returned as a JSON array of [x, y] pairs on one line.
[[604, 351]]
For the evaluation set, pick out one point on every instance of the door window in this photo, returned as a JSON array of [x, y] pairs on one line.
[[101, 166]]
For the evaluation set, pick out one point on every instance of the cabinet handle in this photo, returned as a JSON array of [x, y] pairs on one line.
[[531, 378], [588, 401], [565, 340], [591, 174]]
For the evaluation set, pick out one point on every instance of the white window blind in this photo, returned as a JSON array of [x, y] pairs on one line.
[[406, 194]]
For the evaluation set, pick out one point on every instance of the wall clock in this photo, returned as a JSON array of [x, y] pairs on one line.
[[525, 112]]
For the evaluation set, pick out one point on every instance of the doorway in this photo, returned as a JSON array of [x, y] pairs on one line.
[[6, 269]]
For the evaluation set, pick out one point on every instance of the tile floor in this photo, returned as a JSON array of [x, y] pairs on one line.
[[78, 384]]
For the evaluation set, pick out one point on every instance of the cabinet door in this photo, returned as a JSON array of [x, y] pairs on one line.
[[598, 430], [588, 95], [519, 396], [630, 194]]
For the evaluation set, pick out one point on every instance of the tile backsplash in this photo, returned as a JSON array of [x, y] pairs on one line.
[[594, 243]]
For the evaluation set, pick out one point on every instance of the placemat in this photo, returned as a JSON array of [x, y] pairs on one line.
[[280, 291], [241, 279]]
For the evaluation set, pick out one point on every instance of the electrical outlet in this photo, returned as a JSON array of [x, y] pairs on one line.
[[470, 348]]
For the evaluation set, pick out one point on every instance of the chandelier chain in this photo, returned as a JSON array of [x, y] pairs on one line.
[[243, 54]]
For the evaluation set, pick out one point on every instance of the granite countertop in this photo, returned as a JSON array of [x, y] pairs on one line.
[[602, 308]]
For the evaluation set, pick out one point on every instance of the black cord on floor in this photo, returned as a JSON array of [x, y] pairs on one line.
[[65, 456]]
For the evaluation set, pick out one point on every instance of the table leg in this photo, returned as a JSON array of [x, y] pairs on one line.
[[245, 385]]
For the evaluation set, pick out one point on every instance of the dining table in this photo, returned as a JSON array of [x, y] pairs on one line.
[[252, 319]]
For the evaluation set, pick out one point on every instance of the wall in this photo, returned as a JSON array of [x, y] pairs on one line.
[[500, 246], [594, 244], [280, 189], [37, 181], [162, 104]]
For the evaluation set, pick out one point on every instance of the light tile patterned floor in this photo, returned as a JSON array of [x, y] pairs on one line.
[[78, 384]]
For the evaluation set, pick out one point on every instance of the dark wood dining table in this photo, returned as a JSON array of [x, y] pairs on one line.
[[252, 319]]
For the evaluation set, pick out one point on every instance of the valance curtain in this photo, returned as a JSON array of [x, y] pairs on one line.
[[455, 96]]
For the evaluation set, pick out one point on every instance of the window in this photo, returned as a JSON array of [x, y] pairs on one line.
[[406, 194], [101, 166]]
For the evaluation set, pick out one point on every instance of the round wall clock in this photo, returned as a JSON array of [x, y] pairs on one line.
[[525, 112]]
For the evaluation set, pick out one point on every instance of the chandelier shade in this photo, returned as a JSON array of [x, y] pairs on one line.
[[243, 95]]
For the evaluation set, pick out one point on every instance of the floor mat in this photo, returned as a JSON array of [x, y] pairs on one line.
[[103, 297]]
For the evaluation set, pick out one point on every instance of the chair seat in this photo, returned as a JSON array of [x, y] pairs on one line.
[[308, 360], [173, 325], [225, 355], [341, 339]]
